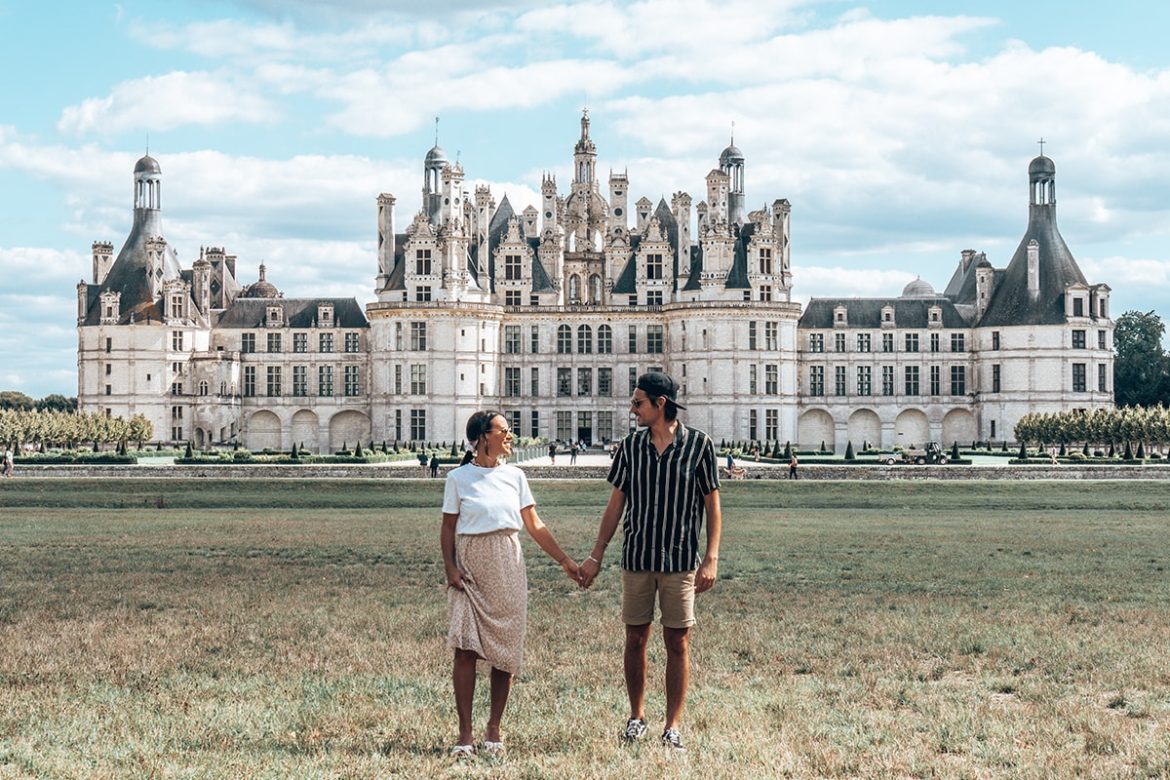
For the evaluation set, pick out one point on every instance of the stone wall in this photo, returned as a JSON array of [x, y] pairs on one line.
[[362, 471]]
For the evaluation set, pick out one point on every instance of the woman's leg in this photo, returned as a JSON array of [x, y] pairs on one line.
[[501, 687], [463, 678]]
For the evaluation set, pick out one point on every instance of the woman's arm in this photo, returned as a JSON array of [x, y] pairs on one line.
[[447, 540], [544, 537]]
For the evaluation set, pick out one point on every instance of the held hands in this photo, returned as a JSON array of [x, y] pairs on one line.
[[588, 570], [570, 568]]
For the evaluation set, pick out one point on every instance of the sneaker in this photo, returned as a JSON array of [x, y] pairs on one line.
[[635, 730], [671, 739]]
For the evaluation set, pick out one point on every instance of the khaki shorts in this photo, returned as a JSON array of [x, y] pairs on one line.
[[676, 597]]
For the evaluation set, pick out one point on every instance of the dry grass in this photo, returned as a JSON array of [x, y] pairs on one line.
[[877, 638]]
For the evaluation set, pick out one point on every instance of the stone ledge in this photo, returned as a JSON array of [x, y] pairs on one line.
[[754, 472]]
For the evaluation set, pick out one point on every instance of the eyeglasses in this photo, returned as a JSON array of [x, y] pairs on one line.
[[637, 402], [505, 431]]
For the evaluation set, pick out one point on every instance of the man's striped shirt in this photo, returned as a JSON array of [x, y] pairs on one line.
[[664, 498]]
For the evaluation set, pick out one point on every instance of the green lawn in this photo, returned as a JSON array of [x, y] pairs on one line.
[[295, 629]]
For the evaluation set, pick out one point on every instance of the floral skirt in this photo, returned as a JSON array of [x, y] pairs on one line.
[[489, 616]]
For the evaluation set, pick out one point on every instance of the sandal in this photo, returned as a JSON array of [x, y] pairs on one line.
[[463, 751], [494, 749]]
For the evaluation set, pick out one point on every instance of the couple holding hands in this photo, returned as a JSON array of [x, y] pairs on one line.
[[665, 480]]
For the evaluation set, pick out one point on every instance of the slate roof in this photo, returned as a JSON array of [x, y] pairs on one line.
[[541, 282], [625, 284], [867, 312], [737, 277], [696, 268], [128, 273], [298, 312], [1010, 303]]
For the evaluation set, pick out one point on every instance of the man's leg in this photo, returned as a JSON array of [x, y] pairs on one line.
[[501, 686], [635, 665], [678, 672], [463, 679]]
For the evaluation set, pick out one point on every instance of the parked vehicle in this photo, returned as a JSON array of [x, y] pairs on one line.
[[932, 453]]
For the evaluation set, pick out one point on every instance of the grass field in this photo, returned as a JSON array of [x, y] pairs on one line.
[[296, 630]]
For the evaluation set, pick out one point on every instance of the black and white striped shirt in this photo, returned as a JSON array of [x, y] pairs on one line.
[[664, 498]]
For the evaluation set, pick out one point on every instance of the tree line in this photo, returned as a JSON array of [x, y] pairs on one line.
[[1100, 428], [14, 400], [70, 429]]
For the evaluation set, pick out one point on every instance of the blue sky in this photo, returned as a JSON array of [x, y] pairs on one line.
[[900, 131]]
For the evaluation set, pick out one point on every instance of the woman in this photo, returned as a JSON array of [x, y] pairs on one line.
[[484, 505]]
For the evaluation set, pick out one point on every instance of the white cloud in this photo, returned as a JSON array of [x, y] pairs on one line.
[[838, 282], [33, 265], [1121, 272], [169, 101]]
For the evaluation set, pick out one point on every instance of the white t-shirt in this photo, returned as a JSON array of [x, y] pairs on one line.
[[486, 500]]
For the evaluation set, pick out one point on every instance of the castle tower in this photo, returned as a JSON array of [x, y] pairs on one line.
[[433, 165], [548, 195], [619, 191], [386, 240], [731, 162], [584, 157], [103, 258]]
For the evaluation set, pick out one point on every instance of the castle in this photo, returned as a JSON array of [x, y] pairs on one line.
[[549, 315]]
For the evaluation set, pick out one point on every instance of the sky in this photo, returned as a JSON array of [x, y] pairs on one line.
[[900, 131]]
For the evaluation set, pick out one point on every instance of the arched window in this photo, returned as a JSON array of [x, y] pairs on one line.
[[574, 289], [564, 339], [584, 340], [595, 289], [604, 340], [203, 388]]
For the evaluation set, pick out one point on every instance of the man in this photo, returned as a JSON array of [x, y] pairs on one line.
[[664, 477]]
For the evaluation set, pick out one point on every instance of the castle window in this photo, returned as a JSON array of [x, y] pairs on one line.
[[422, 294], [935, 380], [584, 340], [584, 381], [633, 341], [752, 335], [816, 342], [765, 260], [325, 342], [771, 379], [765, 292], [247, 342], [887, 380], [958, 342], [934, 347], [324, 381], [887, 342], [177, 341], [512, 340], [352, 342], [864, 380], [839, 342], [654, 339], [654, 266], [1101, 377], [1078, 339], [958, 380], [816, 381], [273, 381], [274, 342], [353, 384], [1078, 307], [753, 386], [604, 339], [300, 342], [564, 339], [513, 298], [418, 424], [249, 381], [564, 382], [771, 335], [1078, 378], [422, 262], [1100, 339], [840, 383], [753, 423], [995, 339], [996, 378], [605, 382], [534, 384], [300, 387], [654, 297], [534, 346], [911, 380], [911, 342], [418, 379], [512, 268], [418, 336], [772, 424], [863, 342], [512, 381], [203, 389]]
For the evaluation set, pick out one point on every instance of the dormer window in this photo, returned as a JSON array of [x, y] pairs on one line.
[[840, 317], [935, 316], [325, 315], [888, 317], [275, 316]]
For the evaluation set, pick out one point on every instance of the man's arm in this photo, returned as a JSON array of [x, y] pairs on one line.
[[609, 523], [709, 569]]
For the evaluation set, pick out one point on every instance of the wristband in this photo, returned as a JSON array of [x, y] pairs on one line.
[[591, 558]]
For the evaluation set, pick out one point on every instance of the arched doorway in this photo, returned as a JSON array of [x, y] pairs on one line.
[[263, 432], [816, 426], [348, 428], [865, 426], [911, 428], [959, 426]]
